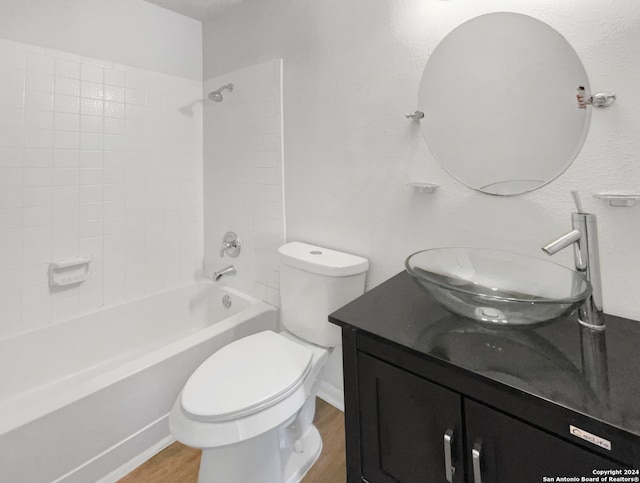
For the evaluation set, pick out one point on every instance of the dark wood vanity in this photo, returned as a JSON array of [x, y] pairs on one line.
[[434, 397]]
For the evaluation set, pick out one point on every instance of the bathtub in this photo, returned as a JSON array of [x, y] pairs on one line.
[[88, 399]]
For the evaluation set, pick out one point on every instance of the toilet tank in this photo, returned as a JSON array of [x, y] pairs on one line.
[[314, 282]]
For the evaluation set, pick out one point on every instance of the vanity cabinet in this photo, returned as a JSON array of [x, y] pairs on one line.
[[503, 449], [426, 390], [414, 430], [410, 427]]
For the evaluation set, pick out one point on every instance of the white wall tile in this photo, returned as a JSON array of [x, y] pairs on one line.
[[12, 117], [66, 231], [65, 249], [66, 176], [38, 138], [11, 177], [65, 213], [66, 103], [93, 73], [36, 316], [91, 90], [64, 307], [38, 177], [37, 196], [40, 63], [66, 195], [11, 198], [66, 158], [37, 215], [38, 158], [12, 58], [67, 68], [91, 158], [91, 162], [38, 100], [12, 138], [36, 254], [11, 218], [114, 77], [67, 86], [38, 119], [93, 124], [91, 141], [38, 81], [243, 150], [92, 106], [92, 211], [11, 157], [66, 139]]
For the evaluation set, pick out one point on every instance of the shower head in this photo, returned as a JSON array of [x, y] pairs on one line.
[[216, 96]]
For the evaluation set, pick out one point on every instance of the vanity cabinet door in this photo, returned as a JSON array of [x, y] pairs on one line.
[[501, 449], [411, 429]]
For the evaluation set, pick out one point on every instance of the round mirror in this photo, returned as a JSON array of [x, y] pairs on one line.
[[499, 97]]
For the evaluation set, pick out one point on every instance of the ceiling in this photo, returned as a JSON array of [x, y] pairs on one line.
[[198, 9]]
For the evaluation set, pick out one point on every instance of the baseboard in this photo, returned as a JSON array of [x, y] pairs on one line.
[[332, 395], [123, 457], [136, 461]]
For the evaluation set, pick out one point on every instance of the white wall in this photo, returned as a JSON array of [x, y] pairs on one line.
[[97, 158], [243, 177], [351, 72], [131, 32]]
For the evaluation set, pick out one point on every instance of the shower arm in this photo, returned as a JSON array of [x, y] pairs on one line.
[[216, 95]]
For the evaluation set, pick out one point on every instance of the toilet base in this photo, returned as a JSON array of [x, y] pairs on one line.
[[256, 460], [305, 454], [261, 460]]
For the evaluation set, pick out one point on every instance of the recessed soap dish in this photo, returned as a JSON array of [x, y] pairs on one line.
[[71, 271], [618, 199], [424, 187]]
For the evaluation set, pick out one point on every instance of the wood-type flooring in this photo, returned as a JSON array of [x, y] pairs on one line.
[[179, 464]]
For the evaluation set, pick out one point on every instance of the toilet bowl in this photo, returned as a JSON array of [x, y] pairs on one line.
[[250, 406]]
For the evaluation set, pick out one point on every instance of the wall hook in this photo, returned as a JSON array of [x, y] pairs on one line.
[[415, 115], [601, 99]]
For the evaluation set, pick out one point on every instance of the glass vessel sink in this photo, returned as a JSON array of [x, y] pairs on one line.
[[498, 287]]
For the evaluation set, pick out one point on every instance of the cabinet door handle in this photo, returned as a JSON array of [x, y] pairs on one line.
[[449, 470], [476, 453]]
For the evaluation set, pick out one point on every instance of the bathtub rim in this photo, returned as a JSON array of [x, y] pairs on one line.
[[196, 281], [26, 407]]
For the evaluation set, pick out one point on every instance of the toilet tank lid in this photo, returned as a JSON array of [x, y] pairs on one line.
[[322, 261]]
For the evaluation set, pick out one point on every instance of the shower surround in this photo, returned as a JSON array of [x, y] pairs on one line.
[[97, 159], [243, 176]]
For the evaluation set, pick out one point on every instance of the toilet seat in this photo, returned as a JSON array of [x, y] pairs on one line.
[[245, 377]]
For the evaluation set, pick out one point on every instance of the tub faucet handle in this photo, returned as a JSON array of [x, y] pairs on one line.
[[231, 245]]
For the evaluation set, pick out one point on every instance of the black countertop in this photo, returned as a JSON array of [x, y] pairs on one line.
[[594, 374]]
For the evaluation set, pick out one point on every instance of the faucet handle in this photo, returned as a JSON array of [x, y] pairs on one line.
[[576, 201], [231, 245]]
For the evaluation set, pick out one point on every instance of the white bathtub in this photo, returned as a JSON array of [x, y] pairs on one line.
[[86, 399]]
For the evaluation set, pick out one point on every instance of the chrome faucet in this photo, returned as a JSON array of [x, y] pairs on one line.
[[584, 238], [230, 270]]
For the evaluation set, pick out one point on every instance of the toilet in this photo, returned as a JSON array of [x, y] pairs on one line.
[[250, 406]]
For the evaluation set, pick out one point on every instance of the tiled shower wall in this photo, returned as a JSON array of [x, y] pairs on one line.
[[96, 159], [243, 176]]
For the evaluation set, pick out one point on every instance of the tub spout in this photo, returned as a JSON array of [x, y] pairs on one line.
[[230, 270]]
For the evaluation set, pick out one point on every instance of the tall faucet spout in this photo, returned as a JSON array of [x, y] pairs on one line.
[[563, 242], [584, 238]]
